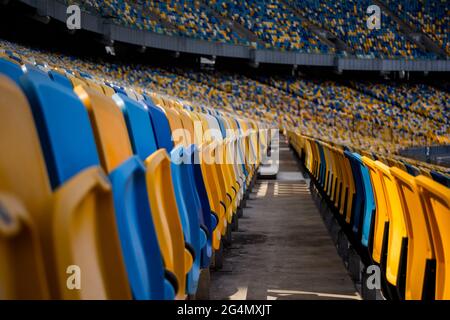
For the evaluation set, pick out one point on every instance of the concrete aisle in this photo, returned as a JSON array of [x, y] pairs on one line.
[[282, 249]]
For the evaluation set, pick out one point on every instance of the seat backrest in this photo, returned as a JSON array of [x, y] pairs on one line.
[[369, 203], [420, 249], [11, 69], [25, 194], [381, 215], [62, 131], [109, 127], [139, 125], [189, 210], [161, 126], [397, 227], [358, 208], [437, 205], [165, 215], [60, 78]]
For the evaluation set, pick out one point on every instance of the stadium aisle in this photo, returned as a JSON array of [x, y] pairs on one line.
[[282, 249]]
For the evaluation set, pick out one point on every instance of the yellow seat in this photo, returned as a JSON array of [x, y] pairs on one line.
[[25, 199], [436, 198], [166, 219], [109, 128], [381, 215], [420, 249], [397, 239]]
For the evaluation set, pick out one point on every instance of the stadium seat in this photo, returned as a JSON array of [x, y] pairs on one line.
[[11, 68], [25, 199], [60, 78], [360, 198], [381, 223], [436, 200], [398, 238], [420, 281], [140, 247], [369, 204]]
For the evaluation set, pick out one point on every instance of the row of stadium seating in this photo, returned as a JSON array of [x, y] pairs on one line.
[[429, 17], [138, 191], [382, 118], [281, 28], [398, 216]]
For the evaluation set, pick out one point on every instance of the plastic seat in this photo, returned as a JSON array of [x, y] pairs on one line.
[[381, 223], [177, 258], [369, 204], [190, 211], [60, 78], [11, 68], [398, 238], [359, 199], [25, 199], [420, 277], [140, 247], [437, 205]]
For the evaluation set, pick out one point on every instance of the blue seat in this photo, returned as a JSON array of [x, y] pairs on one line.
[[11, 69], [359, 198], [189, 208], [161, 125], [61, 79], [137, 234], [369, 203], [60, 127], [208, 220], [412, 170], [441, 178], [139, 125]]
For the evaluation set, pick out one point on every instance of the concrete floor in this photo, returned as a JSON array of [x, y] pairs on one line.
[[282, 249]]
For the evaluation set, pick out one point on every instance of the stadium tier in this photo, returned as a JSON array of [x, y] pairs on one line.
[[136, 172], [287, 26]]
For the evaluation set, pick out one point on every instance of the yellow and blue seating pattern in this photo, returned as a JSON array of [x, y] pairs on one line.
[[430, 17], [90, 177], [286, 25], [397, 215]]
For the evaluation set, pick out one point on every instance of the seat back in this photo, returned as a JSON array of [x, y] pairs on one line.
[[420, 249], [436, 199], [11, 69], [381, 215], [397, 241], [369, 203], [359, 201], [25, 199]]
